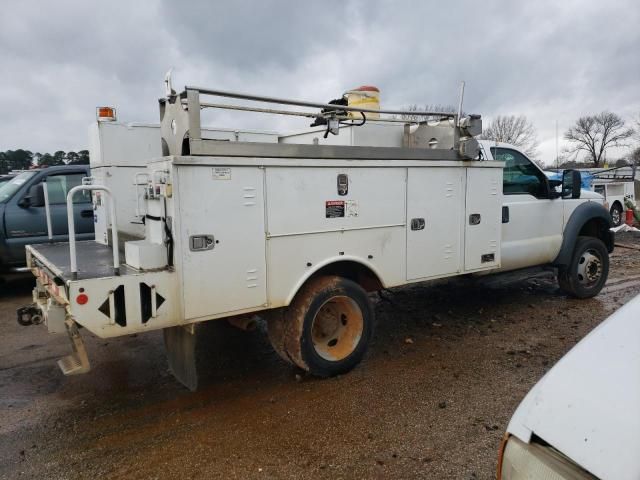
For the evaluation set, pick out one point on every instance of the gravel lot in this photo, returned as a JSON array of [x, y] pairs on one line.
[[448, 366]]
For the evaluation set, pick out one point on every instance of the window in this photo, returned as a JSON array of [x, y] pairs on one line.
[[7, 190], [58, 187], [520, 175]]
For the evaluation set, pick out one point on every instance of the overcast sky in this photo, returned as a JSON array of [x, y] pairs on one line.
[[548, 60]]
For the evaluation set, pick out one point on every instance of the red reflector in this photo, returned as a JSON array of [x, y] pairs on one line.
[[82, 299]]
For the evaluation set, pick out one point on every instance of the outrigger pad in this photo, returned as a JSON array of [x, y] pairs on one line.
[[180, 345]]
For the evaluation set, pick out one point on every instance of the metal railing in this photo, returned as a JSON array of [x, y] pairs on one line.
[[47, 210], [72, 227], [136, 183]]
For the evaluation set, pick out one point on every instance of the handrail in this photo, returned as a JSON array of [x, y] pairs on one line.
[[72, 228], [303, 103], [47, 210], [137, 184]]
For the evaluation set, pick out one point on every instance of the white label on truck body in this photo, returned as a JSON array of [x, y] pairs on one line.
[[221, 173]]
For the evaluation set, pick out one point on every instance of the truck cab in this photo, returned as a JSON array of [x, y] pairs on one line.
[[22, 211], [536, 217]]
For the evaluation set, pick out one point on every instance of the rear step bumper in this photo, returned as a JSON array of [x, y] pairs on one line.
[[73, 364], [78, 361]]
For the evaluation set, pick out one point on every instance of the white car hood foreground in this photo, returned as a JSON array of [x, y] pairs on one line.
[[588, 405]]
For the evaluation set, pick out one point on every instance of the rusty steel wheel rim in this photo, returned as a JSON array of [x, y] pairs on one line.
[[337, 328]]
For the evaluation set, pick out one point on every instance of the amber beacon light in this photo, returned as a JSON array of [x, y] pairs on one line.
[[106, 114]]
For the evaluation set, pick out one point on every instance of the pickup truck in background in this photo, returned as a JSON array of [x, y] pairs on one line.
[[5, 178], [22, 213]]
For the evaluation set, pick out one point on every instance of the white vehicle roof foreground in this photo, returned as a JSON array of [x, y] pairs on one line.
[[588, 405]]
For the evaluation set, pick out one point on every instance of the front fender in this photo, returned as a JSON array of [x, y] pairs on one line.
[[582, 215]]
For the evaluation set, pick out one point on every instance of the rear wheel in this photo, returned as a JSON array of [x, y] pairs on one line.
[[616, 214], [327, 328], [588, 270]]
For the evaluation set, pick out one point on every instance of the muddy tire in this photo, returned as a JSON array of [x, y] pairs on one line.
[[616, 214], [327, 328], [275, 329], [588, 270]]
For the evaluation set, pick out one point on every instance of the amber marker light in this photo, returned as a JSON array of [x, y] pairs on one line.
[[106, 114]]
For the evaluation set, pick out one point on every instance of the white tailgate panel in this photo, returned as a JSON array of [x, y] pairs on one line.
[[230, 206], [484, 198], [437, 196]]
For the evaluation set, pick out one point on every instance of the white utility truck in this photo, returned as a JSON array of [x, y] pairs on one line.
[[617, 186], [300, 230]]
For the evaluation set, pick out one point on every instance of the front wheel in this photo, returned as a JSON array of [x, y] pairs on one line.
[[327, 328], [588, 270], [616, 214]]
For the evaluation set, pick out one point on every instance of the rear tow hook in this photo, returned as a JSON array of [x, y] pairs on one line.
[[29, 315]]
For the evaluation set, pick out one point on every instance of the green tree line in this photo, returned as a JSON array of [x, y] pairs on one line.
[[24, 159]]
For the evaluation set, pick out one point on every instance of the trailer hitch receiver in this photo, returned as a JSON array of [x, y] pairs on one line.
[[29, 315]]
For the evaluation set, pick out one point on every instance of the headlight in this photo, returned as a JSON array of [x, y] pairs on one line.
[[522, 461]]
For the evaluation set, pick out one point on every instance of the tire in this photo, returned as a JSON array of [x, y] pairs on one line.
[[327, 328], [588, 270], [616, 214]]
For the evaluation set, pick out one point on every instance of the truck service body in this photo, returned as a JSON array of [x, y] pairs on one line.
[[298, 230]]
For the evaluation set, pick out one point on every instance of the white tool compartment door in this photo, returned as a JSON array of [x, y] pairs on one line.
[[435, 204], [225, 204], [483, 219]]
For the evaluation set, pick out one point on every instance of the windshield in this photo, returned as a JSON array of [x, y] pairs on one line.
[[12, 186]]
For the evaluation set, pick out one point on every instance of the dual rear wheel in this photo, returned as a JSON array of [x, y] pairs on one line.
[[327, 328]]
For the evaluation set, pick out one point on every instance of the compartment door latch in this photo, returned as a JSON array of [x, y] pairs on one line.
[[198, 243], [417, 224]]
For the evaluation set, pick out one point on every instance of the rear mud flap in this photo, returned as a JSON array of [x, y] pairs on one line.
[[180, 344]]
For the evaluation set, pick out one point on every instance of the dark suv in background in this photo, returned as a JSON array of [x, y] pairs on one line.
[[22, 213]]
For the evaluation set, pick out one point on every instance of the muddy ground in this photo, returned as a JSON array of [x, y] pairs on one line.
[[448, 366]]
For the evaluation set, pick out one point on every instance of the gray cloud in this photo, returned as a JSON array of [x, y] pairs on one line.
[[548, 60]]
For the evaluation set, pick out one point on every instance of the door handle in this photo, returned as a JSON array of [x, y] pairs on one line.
[[505, 214], [86, 213], [417, 224]]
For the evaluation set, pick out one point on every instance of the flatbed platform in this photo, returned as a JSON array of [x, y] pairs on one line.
[[95, 260]]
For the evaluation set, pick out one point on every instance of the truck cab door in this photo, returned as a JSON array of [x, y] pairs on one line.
[[532, 217], [26, 224]]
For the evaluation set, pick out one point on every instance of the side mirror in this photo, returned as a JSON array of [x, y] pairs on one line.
[[35, 197], [571, 184], [555, 188]]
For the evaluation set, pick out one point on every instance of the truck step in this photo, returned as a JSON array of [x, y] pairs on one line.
[[78, 361], [72, 365]]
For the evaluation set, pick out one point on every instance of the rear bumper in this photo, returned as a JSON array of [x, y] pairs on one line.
[[107, 305]]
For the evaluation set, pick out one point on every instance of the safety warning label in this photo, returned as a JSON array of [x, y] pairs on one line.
[[334, 208]]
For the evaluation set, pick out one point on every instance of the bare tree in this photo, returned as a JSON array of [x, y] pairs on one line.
[[634, 157], [636, 122], [593, 134], [515, 130]]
